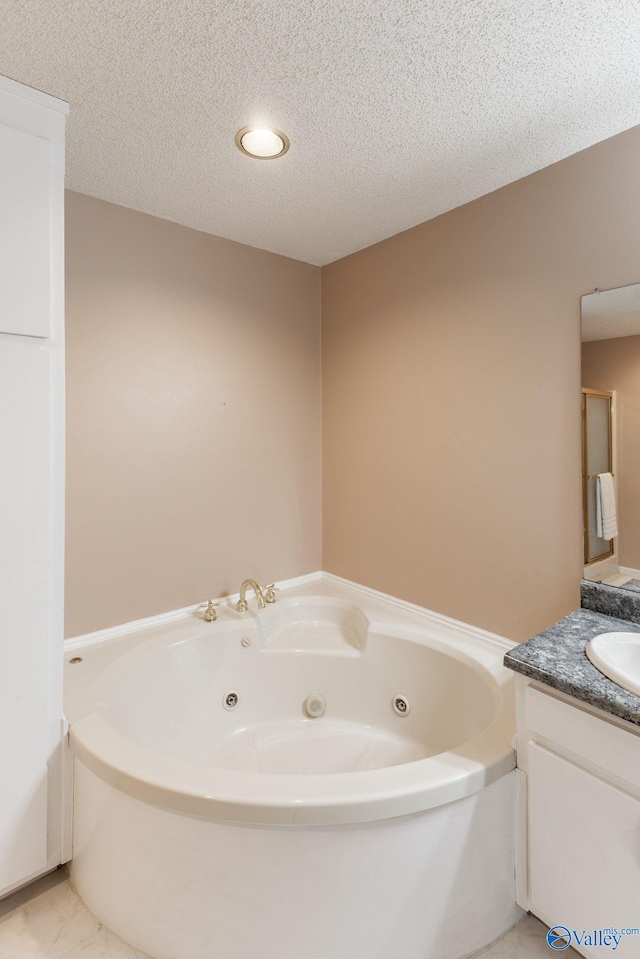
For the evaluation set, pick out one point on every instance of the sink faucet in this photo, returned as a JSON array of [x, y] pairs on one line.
[[242, 605]]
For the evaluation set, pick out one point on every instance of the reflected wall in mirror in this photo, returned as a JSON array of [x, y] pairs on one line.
[[611, 436]]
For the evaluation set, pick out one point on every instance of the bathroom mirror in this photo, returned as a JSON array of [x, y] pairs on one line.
[[611, 436]]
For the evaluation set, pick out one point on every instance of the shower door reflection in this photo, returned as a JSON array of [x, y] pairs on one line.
[[597, 457]]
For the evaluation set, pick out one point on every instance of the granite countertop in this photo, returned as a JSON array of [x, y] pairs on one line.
[[556, 657]]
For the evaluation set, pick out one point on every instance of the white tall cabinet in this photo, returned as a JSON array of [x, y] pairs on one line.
[[32, 127]]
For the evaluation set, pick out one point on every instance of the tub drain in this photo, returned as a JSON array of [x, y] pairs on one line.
[[314, 706]]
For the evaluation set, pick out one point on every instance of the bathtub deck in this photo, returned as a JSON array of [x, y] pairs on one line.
[[48, 920]]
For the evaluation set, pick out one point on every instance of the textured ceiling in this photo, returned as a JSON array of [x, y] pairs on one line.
[[397, 110], [611, 313]]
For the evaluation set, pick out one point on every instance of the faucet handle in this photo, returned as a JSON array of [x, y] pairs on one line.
[[210, 615], [270, 593]]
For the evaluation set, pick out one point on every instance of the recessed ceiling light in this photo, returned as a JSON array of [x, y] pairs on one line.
[[262, 143]]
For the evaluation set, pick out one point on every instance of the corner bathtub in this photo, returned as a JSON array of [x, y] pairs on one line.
[[383, 826]]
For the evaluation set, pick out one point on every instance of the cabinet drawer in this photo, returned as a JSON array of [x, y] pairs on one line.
[[587, 738]]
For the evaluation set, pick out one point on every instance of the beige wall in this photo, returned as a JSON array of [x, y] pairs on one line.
[[451, 393], [451, 379], [615, 365], [193, 415]]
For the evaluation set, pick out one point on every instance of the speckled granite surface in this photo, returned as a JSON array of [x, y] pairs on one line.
[[610, 600], [556, 657]]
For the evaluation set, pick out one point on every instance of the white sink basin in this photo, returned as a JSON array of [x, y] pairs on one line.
[[617, 655]]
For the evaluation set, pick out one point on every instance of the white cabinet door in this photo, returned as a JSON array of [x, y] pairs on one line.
[[584, 852], [24, 610], [32, 128], [25, 256]]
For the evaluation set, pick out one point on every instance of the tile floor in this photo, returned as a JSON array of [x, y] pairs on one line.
[[48, 920]]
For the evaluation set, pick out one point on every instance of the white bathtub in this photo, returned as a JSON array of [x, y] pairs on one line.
[[384, 826]]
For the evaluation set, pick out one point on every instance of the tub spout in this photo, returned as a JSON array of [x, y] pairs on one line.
[[242, 605]]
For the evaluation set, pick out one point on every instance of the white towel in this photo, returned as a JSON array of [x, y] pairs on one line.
[[606, 521]]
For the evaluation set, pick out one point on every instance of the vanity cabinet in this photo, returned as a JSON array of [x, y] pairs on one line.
[[31, 481], [579, 852]]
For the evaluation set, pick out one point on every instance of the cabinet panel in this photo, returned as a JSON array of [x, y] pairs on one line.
[[593, 740], [32, 129], [25, 267], [24, 610], [584, 851]]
